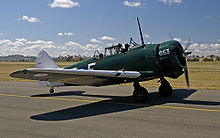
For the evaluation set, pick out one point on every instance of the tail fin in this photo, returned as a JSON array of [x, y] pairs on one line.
[[45, 61]]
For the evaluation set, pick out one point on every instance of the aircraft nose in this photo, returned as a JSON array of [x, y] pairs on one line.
[[179, 53]]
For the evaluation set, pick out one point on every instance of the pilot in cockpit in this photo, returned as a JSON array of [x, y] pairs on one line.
[[123, 50]]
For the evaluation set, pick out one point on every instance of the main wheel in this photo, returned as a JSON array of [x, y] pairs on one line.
[[51, 90], [165, 90], [140, 95]]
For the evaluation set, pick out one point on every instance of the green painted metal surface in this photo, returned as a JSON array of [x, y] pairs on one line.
[[152, 61]]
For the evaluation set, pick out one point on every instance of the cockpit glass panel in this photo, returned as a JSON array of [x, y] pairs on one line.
[[113, 50]]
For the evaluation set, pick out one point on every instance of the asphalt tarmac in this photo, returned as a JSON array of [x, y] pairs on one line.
[[27, 110]]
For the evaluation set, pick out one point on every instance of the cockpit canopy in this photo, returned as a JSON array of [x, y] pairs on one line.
[[116, 49], [113, 50]]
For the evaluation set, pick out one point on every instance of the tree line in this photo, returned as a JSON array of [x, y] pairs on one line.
[[77, 58], [210, 58]]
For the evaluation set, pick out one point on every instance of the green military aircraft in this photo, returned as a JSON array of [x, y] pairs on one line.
[[133, 63]]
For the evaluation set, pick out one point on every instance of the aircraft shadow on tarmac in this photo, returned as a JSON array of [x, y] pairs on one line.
[[112, 105], [67, 93]]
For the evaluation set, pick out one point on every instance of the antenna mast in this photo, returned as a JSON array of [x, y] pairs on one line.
[[142, 40]]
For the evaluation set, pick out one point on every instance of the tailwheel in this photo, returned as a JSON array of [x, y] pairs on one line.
[[140, 94], [51, 90], [165, 89]]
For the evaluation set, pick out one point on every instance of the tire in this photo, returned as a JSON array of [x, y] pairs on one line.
[[165, 90], [140, 95], [51, 90]]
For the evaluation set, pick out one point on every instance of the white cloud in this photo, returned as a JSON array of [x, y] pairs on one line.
[[60, 34], [132, 3], [193, 46], [4, 42], [26, 47], [1, 34], [204, 46], [66, 34], [147, 36], [188, 42], [171, 1], [34, 47], [64, 4], [74, 44], [107, 38], [218, 40], [31, 48], [95, 40], [42, 42], [17, 43], [204, 49], [91, 47], [29, 19], [21, 39], [82, 49], [177, 39], [215, 46]]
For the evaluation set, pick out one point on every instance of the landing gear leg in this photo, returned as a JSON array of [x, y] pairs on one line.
[[51, 90], [140, 94], [165, 89]]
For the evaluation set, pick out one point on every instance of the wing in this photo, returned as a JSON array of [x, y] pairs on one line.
[[76, 76]]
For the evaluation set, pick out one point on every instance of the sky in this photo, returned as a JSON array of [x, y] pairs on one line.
[[70, 27]]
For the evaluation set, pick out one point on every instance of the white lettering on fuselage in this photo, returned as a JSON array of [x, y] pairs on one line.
[[90, 65], [164, 52]]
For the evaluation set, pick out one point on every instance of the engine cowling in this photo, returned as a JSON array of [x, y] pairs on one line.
[[171, 59]]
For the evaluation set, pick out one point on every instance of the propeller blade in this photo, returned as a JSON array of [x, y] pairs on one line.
[[185, 54], [186, 75]]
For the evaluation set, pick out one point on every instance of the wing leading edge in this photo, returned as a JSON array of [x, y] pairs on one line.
[[76, 76]]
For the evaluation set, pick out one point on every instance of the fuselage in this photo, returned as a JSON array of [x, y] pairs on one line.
[[151, 60]]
